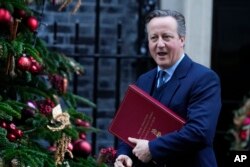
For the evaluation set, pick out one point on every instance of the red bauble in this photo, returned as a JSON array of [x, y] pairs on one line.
[[24, 63], [32, 23], [82, 136], [70, 147], [11, 127], [11, 137], [18, 133], [5, 15], [34, 69], [52, 148], [82, 148], [19, 13], [35, 66], [86, 124], [3, 124], [80, 122]]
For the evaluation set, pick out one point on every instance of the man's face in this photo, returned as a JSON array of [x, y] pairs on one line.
[[165, 45]]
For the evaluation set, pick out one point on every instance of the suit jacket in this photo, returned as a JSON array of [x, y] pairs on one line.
[[194, 93]]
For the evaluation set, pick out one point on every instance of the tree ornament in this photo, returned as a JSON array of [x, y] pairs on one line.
[[45, 106], [52, 148], [60, 83], [80, 122], [65, 85], [29, 111], [61, 149], [35, 68], [19, 13], [15, 163], [11, 127], [5, 16], [3, 124], [18, 133], [63, 119], [70, 146], [82, 148], [10, 68], [82, 136], [11, 137], [24, 63], [13, 28], [32, 23], [107, 156]]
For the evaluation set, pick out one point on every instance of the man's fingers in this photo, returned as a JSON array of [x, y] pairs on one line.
[[119, 164], [133, 140], [123, 161], [129, 162]]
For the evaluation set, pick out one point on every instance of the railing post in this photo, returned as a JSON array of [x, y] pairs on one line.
[[118, 72], [96, 71]]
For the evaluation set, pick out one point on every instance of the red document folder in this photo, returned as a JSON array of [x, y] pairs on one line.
[[143, 117]]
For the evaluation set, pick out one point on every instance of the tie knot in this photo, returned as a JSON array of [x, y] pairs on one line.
[[161, 74], [161, 78]]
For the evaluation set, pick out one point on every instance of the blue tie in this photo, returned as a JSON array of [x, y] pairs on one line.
[[161, 78]]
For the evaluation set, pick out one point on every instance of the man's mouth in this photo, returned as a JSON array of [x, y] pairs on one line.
[[162, 53]]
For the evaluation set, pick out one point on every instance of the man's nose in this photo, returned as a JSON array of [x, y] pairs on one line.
[[160, 43]]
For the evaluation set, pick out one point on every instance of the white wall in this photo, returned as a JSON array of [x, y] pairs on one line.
[[198, 14]]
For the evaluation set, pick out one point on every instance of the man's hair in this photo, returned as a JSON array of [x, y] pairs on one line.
[[180, 19]]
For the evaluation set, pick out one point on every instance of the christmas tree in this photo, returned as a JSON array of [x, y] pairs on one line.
[[39, 122]]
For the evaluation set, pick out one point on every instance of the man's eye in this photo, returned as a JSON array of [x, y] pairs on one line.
[[153, 38], [167, 37]]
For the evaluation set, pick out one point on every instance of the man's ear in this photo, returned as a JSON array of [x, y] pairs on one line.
[[183, 41]]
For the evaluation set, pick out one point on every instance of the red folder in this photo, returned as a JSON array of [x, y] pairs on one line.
[[141, 116]]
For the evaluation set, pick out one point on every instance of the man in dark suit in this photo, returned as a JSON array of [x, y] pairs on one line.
[[186, 87]]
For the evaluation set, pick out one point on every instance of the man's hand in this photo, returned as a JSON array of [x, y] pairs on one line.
[[123, 161], [141, 150]]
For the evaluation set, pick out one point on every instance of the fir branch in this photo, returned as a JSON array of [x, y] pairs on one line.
[[6, 49], [84, 100], [32, 91], [69, 100], [18, 47], [4, 107], [5, 116], [30, 50], [88, 129], [9, 6], [86, 162], [73, 133], [4, 142], [3, 50], [39, 121], [49, 162], [17, 104], [75, 114], [25, 156]]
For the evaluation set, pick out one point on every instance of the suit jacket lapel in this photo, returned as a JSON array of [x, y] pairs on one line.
[[149, 82], [174, 83], [169, 90]]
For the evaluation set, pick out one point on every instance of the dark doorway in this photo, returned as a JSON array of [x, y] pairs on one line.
[[231, 60]]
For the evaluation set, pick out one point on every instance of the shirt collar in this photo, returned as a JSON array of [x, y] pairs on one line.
[[171, 69]]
